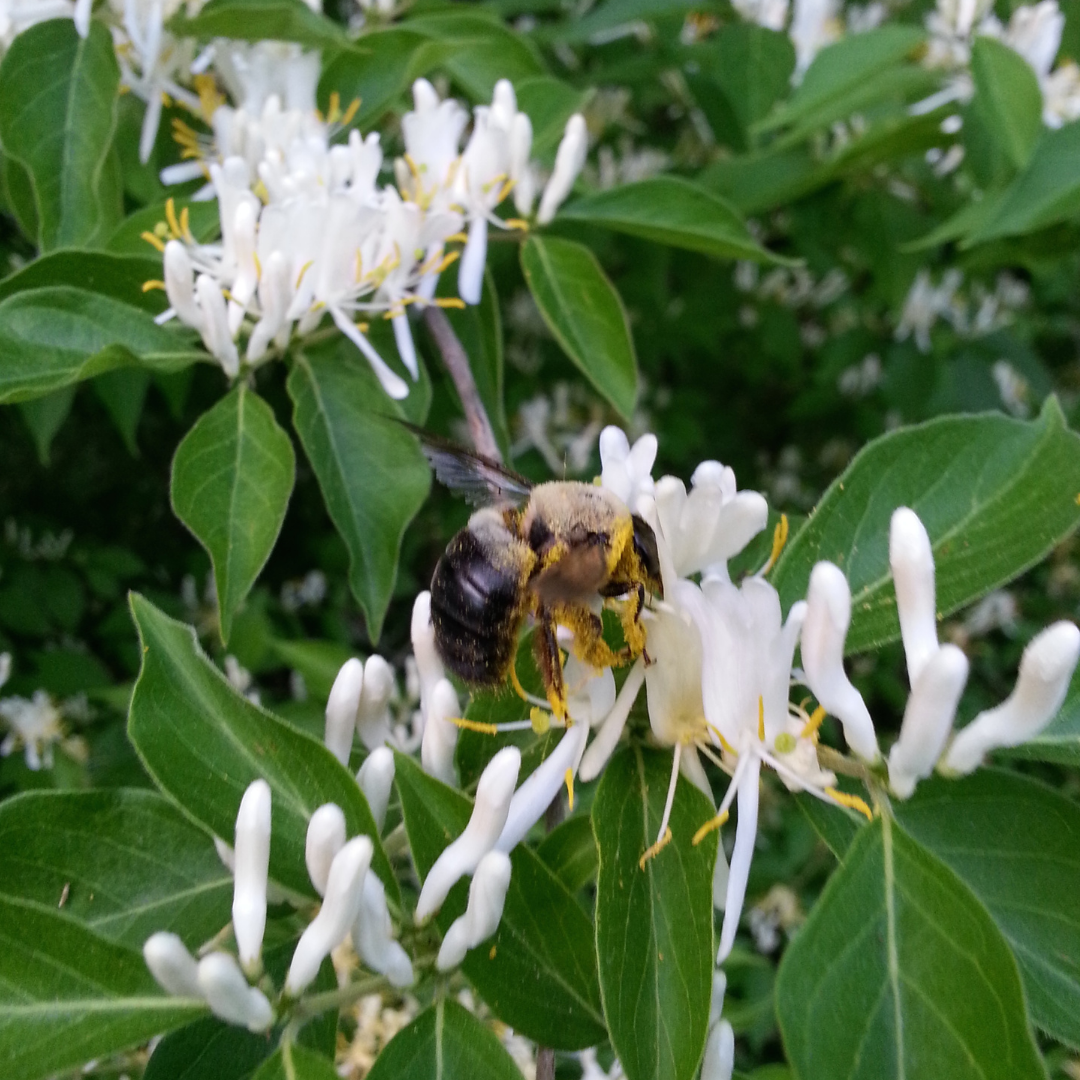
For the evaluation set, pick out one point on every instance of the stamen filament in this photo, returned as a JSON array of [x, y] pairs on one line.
[[653, 850], [474, 725], [152, 240], [665, 830], [780, 537], [852, 802], [710, 826]]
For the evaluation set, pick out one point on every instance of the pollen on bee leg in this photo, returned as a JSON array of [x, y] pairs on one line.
[[474, 725], [852, 802], [711, 825]]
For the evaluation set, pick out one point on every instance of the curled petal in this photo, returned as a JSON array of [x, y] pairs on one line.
[[229, 996], [252, 861], [473, 258], [392, 383], [342, 707], [912, 562], [174, 968], [375, 778], [325, 838], [741, 855], [373, 939], [180, 284], [1045, 670], [214, 325], [487, 896]]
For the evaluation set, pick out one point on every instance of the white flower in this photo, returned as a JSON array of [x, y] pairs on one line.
[[493, 795], [335, 919], [372, 936], [373, 716], [36, 725], [342, 707], [375, 778], [251, 861], [325, 838], [719, 1059], [912, 561], [569, 161], [174, 968], [627, 471], [229, 996], [487, 895], [772, 14]]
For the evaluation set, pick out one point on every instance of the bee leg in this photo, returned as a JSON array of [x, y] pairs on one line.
[[589, 644], [549, 660]]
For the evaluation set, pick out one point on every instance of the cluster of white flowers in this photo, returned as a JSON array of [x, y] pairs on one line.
[[353, 905], [36, 724], [308, 231]]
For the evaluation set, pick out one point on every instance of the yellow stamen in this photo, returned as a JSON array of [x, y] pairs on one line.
[[810, 728], [779, 539], [148, 286], [515, 682], [724, 744], [335, 107], [710, 826], [761, 718], [209, 97], [153, 241], [363, 327], [447, 260], [540, 720], [506, 189], [303, 270], [260, 191], [570, 789], [185, 225], [351, 111], [166, 100], [517, 223], [474, 725], [460, 237], [258, 264], [170, 217], [653, 850], [852, 802], [450, 302]]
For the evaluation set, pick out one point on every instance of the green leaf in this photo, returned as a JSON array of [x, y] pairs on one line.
[[292, 1062], [836, 825], [900, 974], [370, 469], [538, 973], [654, 926], [124, 863], [615, 13], [67, 995], [1045, 193], [317, 661], [969, 218], [54, 336], [120, 276], [1012, 841], [995, 495], [209, 1049], [232, 477], [585, 313], [445, 1042], [670, 210], [204, 220], [570, 852], [549, 103], [58, 95], [45, 416], [256, 20], [1008, 95], [753, 66], [203, 744], [123, 393]]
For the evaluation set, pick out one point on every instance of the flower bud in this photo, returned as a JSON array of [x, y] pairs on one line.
[[487, 895], [928, 719], [828, 614], [247, 274], [172, 965], [493, 795], [214, 325], [375, 778], [373, 936], [275, 292], [719, 1060], [336, 916], [180, 284], [473, 258], [569, 160], [428, 665], [252, 861], [229, 996], [912, 562], [440, 735], [521, 134], [373, 712], [1045, 670], [342, 707], [325, 838]]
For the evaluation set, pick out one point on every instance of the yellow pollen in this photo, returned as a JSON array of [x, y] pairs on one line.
[[461, 238], [185, 225], [351, 111], [165, 99], [517, 223], [260, 191], [761, 718], [170, 217], [153, 240], [710, 826], [811, 727], [148, 286], [209, 97], [852, 802], [779, 539], [654, 849], [450, 302], [724, 744], [474, 725], [540, 720], [570, 790], [506, 189]]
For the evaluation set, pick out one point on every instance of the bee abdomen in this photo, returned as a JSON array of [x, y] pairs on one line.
[[478, 600]]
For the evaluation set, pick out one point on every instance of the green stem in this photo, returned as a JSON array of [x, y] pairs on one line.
[[334, 999]]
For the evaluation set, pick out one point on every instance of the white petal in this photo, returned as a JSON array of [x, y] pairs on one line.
[[1045, 670], [473, 258], [252, 859], [372, 935], [393, 384], [373, 717], [487, 896], [928, 719], [342, 707], [741, 857], [214, 325], [440, 735], [405, 346], [375, 778], [912, 562], [603, 746], [719, 1060], [229, 996], [174, 968], [428, 665], [325, 838], [180, 284], [569, 159]]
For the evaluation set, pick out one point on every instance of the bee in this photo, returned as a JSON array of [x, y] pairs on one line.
[[548, 551]]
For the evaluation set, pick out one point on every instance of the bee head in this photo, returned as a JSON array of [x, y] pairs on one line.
[[645, 547]]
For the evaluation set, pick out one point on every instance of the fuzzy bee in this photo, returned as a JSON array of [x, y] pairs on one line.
[[548, 551]]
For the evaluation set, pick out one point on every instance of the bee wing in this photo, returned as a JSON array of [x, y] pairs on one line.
[[477, 479]]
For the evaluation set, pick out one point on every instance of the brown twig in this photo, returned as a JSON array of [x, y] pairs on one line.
[[545, 1063], [457, 364]]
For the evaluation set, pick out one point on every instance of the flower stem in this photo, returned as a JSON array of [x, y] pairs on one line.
[[334, 999], [457, 364]]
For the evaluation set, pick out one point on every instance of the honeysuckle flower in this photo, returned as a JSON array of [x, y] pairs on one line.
[[335, 919], [229, 995], [490, 811], [326, 836], [1041, 685], [772, 14], [342, 707], [438, 700], [36, 724], [174, 968], [375, 778], [373, 716], [627, 471], [719, 1061], [251, 853], [372, 936], [487, 896], [569, 161], [911, 559]]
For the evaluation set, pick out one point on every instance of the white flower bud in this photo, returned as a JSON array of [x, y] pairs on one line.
[[373, 713], [336, 916], [172, 965], [521, 172], [569, 160], [912, 562], [828, 614], [373, 936], [247, 274], [487, 895], [81, 16], [214, 325], [440, 735], [275, 292], [375, 778], [493, 795], [542, 785], [325, 838], [180, 284], [719, 1060], [342, 708], [1045, 670], [252, 861], [928, 719], [428, 665], [229, 996], [473, 258]]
